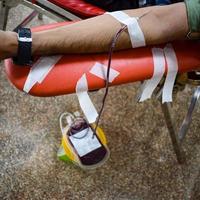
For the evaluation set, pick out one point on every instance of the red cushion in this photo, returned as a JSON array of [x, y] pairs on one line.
[[79, 7], [133, 65]]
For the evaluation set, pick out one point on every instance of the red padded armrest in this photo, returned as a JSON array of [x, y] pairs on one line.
[[79, 7], [133, 65]]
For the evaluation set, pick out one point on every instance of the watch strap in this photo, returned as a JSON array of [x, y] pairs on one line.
[[24, 47]]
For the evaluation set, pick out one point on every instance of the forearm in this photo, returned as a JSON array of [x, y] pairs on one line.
[[161, 24]]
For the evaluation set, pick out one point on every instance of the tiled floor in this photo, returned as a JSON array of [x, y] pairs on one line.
[[142, 165]]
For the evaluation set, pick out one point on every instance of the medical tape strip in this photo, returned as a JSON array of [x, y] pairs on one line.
[[172, 70], [135, 32], [100, 71], [39, 71], [85, 102], [119, 15], [159, 69]]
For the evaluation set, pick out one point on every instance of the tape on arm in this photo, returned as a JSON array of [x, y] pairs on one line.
[[135, 32]]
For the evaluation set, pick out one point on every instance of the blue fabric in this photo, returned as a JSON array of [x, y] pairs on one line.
[[158, 2], [113, 5], [162, 2]]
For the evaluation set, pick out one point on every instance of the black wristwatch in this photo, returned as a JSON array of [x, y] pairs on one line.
[[24, 47]]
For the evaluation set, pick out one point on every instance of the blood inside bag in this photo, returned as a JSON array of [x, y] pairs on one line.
[[87, 146]]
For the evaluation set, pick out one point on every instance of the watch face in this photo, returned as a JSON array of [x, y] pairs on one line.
[[24, 35]]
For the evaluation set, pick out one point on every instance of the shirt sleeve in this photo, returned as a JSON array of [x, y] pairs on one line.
[[193, 12]]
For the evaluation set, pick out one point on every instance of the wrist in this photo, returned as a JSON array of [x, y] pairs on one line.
[[36, 43], [11, 44], [8, 44]]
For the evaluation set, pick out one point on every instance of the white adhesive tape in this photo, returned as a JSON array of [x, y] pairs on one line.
[[172, 64], [119, 15], [39, 71], [85, 102], [100, 71], [135, 32], [159, 69]]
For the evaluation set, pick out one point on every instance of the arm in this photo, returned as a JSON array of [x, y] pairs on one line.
[[162, 24]]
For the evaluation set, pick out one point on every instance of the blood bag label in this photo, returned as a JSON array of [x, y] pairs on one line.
[[86, 144]]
